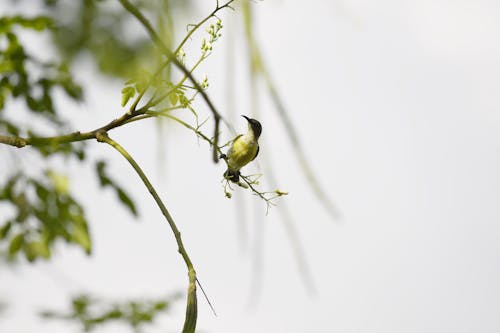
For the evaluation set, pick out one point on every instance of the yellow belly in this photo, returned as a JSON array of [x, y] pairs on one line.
[[241, 153]]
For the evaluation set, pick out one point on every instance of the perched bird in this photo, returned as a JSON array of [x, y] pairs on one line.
[[243, 150]]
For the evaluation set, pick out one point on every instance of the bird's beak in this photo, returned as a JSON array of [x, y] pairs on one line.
[[248, 119]]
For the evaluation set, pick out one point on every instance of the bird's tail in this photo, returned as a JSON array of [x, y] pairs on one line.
[[233, 176]]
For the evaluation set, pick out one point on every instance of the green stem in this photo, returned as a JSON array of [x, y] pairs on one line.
[[21, 142], [191, 308]]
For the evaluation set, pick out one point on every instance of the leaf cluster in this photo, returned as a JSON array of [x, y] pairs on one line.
[[92, 313], [24, 76], [103, 32], [106, 181], [44, 212]]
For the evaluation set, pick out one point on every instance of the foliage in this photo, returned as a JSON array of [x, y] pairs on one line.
[[142, 36], [106, 181], [44, 212], [24, 76], [93, 313]]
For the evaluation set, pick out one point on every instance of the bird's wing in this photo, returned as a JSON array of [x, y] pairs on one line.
[[230, 150], [257, 153], [237, 137]]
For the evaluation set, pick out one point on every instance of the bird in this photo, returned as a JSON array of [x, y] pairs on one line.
[[243, 150]]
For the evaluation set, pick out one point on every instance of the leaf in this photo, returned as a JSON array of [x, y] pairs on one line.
[[80, 236], [184, 101], [126, 200], [39, 23], [173, 98], [4, 230], [105, 180], [127, 93], [101, 173], [34, 250], [60, 182], [72, 89], [15, 244], [162, 305]]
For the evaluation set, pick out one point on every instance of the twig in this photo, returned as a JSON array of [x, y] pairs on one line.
[[199, 24]]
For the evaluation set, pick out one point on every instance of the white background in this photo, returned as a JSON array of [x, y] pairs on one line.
[[397, 104]]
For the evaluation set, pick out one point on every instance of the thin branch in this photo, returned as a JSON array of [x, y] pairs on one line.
[[172, 57], [191, 308], [199, 24], [194, 129], [21, 142]]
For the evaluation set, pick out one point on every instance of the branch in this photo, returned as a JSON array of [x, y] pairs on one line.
[[21, 142], [191, 307], [172, 57], [188, 126]]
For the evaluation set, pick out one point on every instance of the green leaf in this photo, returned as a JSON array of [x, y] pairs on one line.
[[126, 200], [15, 244], [72, 89], [81, 236], [127, 93], [39, 23], [184, 101], [34, 250], [101, 173], [4, 230], [173, 98], [160, 305], [105, 180]]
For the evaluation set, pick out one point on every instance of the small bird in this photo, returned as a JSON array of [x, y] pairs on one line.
[[243, 150]]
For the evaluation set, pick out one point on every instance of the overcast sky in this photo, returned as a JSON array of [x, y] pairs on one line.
[[397, 104]]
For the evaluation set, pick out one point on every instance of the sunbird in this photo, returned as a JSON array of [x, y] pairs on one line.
[[243, 150]]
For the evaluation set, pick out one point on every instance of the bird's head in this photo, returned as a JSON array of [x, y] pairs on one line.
[[254, 125]]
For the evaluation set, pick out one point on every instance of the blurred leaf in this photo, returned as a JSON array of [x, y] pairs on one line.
[[105, 180], [4, 230], [59, 181], [173, 98], [80, 236], [38, 23], [126, 200], [92, 313], [44, 212], [15, 244], [36, 249]]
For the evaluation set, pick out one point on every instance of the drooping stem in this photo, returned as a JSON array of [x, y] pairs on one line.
[[191, 307], [259, 68]]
